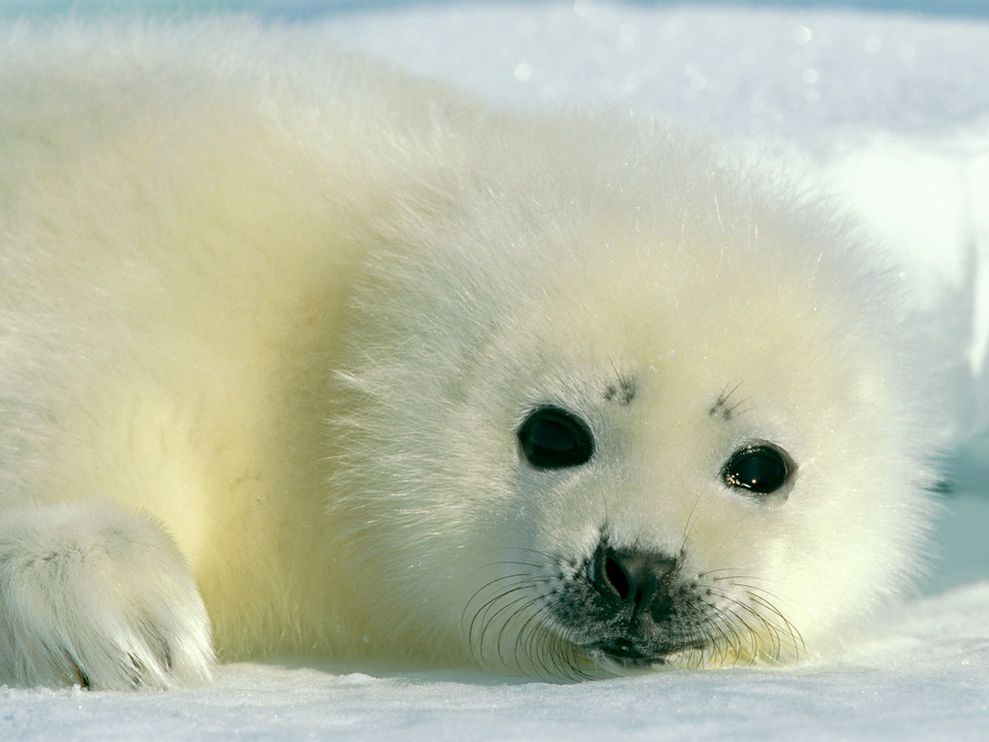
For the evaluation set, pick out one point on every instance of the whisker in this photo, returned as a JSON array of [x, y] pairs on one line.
[[528, 578], [505, 624], [721, 647], [686, 526], [728, 569], [490, 620], [546, 555], [536, 651], [772, 629], [735, 645], [792, 630], [762, 590], [525, 632], [482, 612], [737, 413], [758, 604], [752, 635], [517, 564], [565, 659]]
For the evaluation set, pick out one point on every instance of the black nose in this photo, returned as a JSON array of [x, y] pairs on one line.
[[631, 577]]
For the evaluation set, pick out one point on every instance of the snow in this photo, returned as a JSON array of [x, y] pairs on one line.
[[889, 107], [925, 675], [909, 682]]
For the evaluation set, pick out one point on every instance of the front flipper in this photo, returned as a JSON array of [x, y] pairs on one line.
[[95, 595]]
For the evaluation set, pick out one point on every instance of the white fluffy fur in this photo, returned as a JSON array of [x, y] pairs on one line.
[[270, 318]]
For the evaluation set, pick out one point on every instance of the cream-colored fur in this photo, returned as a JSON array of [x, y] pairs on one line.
[[270, 319]]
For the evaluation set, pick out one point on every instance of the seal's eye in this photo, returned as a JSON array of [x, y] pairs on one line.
[[552, 438], [760, 468]]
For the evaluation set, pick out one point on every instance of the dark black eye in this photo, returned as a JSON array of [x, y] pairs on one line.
[[760, 468], [552, 438]]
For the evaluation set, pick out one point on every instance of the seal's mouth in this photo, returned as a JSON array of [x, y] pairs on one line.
[[621, 652], [625, 653]]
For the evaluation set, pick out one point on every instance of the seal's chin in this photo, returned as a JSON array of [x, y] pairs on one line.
[[618, 656], [623, 656]]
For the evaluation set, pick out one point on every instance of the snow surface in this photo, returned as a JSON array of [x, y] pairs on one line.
[[910, 684], [890, 107]]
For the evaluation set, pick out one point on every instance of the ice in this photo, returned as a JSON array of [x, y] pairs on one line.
[[890, 107], [925, 675]]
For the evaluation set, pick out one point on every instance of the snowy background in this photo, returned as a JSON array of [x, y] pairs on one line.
[[884, 101]]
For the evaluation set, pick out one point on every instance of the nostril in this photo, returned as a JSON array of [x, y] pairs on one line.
[[615, 575], [629, 576]]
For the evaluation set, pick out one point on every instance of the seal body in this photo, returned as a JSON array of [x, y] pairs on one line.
[[300, 355]]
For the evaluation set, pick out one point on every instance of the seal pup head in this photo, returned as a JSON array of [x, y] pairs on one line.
[[612, 411]]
